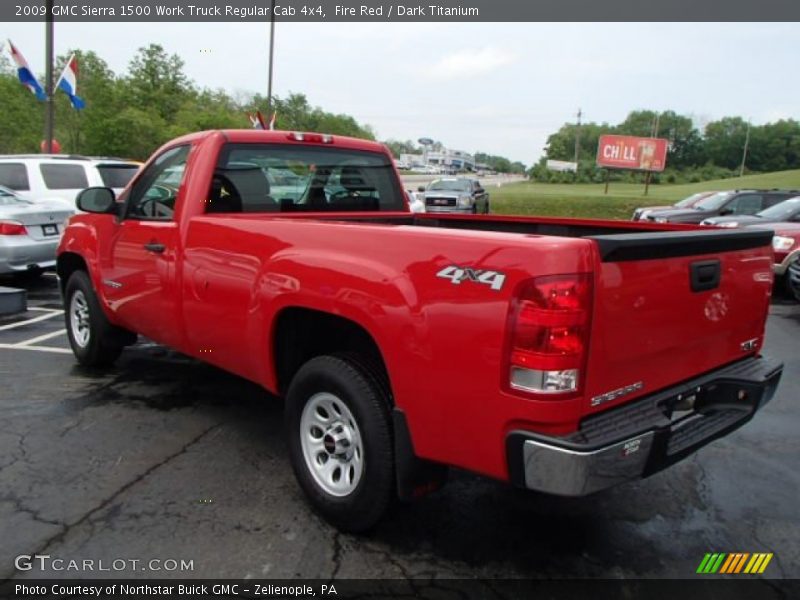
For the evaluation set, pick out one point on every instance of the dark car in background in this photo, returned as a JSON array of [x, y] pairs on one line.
[[734, 202], [787, 211], [642, 212]]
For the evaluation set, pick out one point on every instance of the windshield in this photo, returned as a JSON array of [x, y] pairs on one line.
[[276, 178], [782, 211], [714, 201], [690, 201], [449, 185]]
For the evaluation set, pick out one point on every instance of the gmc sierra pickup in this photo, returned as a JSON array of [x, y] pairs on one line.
[[563, 356]]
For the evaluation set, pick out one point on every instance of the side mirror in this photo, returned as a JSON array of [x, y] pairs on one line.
[[97, 200], [725, 212], [421, 188]]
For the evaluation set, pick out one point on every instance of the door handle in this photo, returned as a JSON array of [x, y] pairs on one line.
[[155, 247]]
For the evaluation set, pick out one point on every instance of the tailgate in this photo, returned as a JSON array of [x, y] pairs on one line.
[[670, 306]]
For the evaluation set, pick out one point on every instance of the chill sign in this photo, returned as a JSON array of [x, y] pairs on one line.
[[629, 152]]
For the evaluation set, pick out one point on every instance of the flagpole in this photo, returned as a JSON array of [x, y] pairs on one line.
[[271, 52], [48, 84]]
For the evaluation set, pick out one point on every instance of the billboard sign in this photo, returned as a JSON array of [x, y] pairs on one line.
[[561, 165], [629, 152]]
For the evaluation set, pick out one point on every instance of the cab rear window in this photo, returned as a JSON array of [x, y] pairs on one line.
[[14, 176], [294, 178], [63, 177]]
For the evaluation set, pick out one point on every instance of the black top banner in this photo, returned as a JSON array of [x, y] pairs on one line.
[[406, 11]]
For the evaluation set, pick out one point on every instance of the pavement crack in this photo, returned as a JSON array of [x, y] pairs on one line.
[[86, 517]]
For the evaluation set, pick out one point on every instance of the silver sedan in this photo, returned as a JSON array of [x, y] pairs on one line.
[[29, 233]]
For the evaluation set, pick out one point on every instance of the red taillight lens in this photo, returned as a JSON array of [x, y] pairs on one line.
[[12, 228], [549, 333], [316, 138]]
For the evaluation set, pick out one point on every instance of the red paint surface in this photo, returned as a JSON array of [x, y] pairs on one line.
[[217, 289]]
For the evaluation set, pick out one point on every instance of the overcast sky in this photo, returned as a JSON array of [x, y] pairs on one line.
[[496, 87]]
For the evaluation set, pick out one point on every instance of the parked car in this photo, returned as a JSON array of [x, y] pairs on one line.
[[455, 195], [54, 176], [29, 233], [786, 211], [793, 278], [558, 355], [786, 248], [415, 204], [688, 202], [737, 202]]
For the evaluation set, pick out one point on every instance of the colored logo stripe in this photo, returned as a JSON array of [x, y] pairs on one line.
[[734, 562]]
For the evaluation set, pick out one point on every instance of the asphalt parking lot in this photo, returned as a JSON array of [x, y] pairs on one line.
[[163, 457]]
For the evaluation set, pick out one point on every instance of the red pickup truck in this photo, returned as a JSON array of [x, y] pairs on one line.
[[559, 355]]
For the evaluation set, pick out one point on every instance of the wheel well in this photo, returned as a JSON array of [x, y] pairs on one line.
[[67, 264], [301, 334]]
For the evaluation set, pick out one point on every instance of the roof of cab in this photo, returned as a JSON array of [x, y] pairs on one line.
[[254, 136]]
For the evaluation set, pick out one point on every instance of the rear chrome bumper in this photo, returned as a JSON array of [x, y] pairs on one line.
[[643, 437]]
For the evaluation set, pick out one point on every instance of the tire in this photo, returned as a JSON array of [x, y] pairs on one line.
[[95, 342], [340, 441]]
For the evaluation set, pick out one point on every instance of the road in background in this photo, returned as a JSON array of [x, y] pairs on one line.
[[412, 182]]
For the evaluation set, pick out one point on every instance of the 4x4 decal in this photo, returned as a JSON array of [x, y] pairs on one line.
[[494, 279]]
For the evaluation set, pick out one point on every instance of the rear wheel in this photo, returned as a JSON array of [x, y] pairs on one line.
[[94, 341], [340, 441]]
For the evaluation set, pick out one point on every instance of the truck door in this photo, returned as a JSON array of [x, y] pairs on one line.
[[139, 282]]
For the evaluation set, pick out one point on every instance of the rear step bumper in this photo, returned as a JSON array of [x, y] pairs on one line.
[[643, 437]]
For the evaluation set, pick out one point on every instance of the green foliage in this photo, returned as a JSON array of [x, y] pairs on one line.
[[714, 153], [407, 147], [131, 115], [499, 163]]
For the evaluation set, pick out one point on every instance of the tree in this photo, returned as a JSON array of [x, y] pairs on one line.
[[156, 81], [21, 123], [84, 131], [724, 141]]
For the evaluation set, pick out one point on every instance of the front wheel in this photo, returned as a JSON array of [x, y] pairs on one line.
[[95, 342], [340, 441]]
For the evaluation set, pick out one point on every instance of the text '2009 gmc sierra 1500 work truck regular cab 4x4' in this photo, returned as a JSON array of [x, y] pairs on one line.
[[563, 356]]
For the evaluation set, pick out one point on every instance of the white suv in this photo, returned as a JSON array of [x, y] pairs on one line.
[[38, 177]]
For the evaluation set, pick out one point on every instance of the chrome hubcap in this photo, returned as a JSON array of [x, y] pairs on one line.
[[331, 443], [79, 319]]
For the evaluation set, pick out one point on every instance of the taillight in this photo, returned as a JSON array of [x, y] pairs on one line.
[[12, 228], [315, 138], [549, 334]]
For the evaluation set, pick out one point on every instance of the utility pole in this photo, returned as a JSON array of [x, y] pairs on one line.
[[578, 136], [271, 53], [49, 124], [744, 153]]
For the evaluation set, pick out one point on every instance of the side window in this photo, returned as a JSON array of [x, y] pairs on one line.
[[63, 177], [773, 199], [153, 195], [746, 204], [14, 176]]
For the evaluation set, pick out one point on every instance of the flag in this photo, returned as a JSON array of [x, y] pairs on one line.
[[68, 83], [258, 120], [26, 76], [272, 121]]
